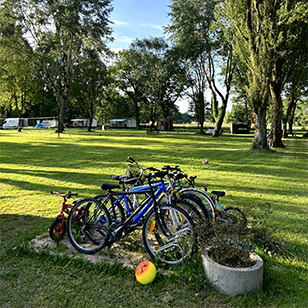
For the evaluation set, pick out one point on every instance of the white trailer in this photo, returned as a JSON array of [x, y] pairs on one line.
[[14, 123], [83, 122]]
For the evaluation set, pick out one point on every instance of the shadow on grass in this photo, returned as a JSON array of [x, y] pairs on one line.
[[16, 229]]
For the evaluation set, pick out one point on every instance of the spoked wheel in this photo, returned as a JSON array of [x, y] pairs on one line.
[[116, 210], [196, 203], [188, 207], [235, 216], [87, 226], [57, 229], [173, 242], [204, 199]]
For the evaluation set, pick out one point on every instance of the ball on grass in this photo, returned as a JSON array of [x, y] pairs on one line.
[[145, 272]]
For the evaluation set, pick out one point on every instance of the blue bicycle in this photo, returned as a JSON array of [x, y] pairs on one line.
[[167, 229]]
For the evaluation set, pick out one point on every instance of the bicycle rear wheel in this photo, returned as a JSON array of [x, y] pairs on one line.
[[188, 207], [57, 229], [115, 210], [87, 226], [173, 240], [235, 216]]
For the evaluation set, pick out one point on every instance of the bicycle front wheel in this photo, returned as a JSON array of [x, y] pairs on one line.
[[196, 203], [172, 240], [203, 198], [87, 226]]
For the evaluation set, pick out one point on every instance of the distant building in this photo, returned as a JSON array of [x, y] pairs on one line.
[[123, 123], [83, 122], [165, 124]]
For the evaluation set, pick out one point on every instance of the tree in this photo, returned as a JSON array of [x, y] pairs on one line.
[[90, 81], [263, 33], [193, 28], [17, 68], [58, 31], [129, 78], [196, 86], [163, 74], [296, 87], [151, 78]]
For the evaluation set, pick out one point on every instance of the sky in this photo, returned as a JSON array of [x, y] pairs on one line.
[[141, 19], [137, 19]]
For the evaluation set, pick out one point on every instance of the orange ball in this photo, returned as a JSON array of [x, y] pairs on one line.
[[145, 272]]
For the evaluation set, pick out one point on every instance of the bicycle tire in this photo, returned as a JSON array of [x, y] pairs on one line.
[[116, 210], [235, 216], [205, 199], [194, 214], [88, 226], [175, 243], [57, 229], [196, 203]]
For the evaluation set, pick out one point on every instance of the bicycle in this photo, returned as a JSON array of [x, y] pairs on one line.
[[230, 214], [173, 190], [214, 208], [167, 230], [124, 204], [58, 227]]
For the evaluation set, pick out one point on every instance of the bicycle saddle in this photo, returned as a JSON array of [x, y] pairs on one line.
[[109, 186], [218, 193]]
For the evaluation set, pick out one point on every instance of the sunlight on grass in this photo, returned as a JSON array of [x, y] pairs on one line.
[[33, 163]]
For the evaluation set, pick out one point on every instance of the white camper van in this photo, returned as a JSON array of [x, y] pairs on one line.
[[13, 123]]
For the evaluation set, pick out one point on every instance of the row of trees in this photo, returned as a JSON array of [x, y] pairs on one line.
[[54, 58], [260, 48]]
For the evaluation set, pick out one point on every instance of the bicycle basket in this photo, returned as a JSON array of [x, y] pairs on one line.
[[133, 171]]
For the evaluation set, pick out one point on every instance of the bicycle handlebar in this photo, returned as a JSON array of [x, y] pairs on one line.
[[68, 195], [131, 160]]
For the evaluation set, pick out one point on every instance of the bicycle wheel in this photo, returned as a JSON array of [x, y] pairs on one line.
[[173, 241], [194, 214], [235, 216], [204, 198], [116, 210], [196, 203], [57, 229], [87, 226]]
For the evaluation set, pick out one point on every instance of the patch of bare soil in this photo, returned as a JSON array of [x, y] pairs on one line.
[[129, 250]]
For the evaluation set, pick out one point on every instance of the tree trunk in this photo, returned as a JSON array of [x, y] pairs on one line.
[[259, 118], [287, 117], [277, 115], [90, 124], [220, 119], [201, 128], [137, 113], [62, 116], [291, 119]]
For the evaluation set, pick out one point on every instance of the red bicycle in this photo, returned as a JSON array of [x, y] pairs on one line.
[[58, 227]]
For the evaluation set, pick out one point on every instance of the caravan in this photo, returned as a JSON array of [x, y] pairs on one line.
[[14, 123]]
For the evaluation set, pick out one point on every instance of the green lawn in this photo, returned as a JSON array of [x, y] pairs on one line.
[[35, 162]]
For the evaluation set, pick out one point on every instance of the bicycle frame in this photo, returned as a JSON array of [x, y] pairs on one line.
[[144, 206]]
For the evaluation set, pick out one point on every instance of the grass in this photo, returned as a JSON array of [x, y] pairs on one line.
[[33, 163]]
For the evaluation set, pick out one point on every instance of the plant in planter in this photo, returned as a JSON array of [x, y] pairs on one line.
[[228, 258]]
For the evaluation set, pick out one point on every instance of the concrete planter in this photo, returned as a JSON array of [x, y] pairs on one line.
[[234, 281]]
